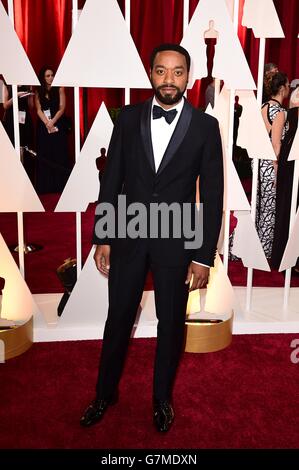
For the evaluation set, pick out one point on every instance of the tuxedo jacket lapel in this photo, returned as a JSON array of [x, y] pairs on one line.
[[146, 133]]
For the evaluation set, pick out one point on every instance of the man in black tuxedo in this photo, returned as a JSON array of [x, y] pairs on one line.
[[157, 151]]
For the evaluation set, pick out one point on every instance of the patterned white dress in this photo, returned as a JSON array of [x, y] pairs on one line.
[[266, 191]]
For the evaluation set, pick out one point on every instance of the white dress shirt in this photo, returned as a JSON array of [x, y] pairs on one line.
[[162, 131], [161, 134]]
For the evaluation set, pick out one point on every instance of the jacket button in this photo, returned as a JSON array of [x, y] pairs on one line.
[[155, 194]]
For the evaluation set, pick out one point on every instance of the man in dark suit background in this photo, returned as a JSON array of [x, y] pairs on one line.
[[157, 151]]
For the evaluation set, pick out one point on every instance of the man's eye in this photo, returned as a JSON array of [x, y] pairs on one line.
[[178, 73], [159, 71]]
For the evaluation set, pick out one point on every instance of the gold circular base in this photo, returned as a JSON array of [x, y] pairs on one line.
[[208, 335], [17, 340]]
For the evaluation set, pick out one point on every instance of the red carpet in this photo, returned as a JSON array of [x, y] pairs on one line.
[[56, 233], [243, 397]]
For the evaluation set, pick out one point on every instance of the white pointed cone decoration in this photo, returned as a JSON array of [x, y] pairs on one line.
[[234, 195], [291, 252], [83, 184], [252, 132], [16, 191], [294, 152], [220, 294], [101, 51], [17, 301], [247, 245], [262, 17], [217, 299], [220, 244], [14, 63], [88, 303], [230, 62], [221, 112]]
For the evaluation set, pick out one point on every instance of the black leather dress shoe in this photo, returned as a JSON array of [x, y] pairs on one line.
[[96, 410], [163, 415]]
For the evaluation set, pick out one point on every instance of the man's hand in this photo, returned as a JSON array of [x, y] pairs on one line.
[[102, 258], [200, 276]]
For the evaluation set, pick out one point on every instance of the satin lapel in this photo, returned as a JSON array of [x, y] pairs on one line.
[[146, 133], [177, 136]]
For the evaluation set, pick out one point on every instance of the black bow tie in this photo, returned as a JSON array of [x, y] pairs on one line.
[[159, 112]]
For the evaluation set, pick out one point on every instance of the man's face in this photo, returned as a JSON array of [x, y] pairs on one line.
[[169, 77]]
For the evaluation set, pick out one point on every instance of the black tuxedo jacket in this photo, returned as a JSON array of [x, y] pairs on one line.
[[194, 150]]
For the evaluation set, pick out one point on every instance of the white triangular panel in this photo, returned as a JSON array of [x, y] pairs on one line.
[[220, 243], [291, 252], [101, 52], [221, 112], [262, 17], [16, 191], [252, 132], [247, 245], [230, 62], [14, 63], [88, 303], [217, 299], [294, 152], [234, 195], [17, 301], [209, 110], [230, 7], [82, 186]]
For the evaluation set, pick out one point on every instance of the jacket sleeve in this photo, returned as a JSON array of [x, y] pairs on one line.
[[211, 189], [112, 179]]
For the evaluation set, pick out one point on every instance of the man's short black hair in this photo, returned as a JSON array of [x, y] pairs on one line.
[[170, 47]]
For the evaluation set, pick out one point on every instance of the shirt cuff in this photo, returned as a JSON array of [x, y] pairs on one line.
[[201, 264]]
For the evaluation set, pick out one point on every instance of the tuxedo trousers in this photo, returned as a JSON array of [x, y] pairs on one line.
[[126, 282]]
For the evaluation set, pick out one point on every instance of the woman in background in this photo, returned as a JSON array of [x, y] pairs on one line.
[[284, 186], [274, 116], [52, 152]]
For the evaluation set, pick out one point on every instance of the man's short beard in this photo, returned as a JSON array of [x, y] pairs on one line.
[[168, 99]]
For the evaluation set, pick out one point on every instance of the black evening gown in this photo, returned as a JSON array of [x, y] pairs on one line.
[[52, 149], [284, 191]]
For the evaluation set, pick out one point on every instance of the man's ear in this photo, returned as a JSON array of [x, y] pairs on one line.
[[150, 73]]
